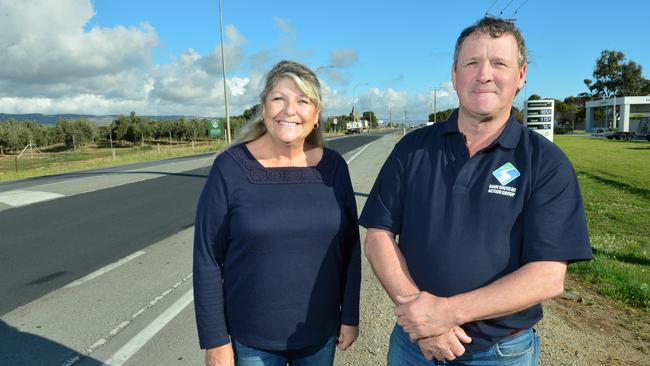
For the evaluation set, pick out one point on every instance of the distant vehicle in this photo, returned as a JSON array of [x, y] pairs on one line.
[[353, 127], [604, 132], [641, 132]]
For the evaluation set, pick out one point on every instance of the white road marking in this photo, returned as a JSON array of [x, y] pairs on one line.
[[358, 153], [103, 270], [102, 341], [19, 198], [137, 342], [71, 361]]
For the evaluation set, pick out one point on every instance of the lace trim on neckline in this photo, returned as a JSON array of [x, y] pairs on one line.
[[323, 172]]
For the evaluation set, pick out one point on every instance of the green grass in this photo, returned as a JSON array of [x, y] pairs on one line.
[[615, 183], [46, 163]]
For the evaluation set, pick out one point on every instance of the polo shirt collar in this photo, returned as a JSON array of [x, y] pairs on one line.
[[509, 137], [451, 126]]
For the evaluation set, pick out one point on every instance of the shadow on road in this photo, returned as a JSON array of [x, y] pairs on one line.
[[25, 349]]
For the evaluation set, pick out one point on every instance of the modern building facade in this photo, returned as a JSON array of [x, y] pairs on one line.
[[630, 112]]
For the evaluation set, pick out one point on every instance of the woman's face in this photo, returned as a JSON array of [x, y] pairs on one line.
[[289, 115]]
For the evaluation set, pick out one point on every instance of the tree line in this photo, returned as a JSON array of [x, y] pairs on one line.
[[125, 129]]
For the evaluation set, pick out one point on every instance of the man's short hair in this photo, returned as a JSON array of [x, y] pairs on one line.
[[495, 27]]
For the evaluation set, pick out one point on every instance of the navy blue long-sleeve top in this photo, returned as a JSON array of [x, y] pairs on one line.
[[276, 253]]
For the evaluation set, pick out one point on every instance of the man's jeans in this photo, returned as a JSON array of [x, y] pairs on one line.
[[522, 349], [319, 355]]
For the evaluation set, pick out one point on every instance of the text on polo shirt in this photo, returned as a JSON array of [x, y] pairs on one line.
[[502, 190]]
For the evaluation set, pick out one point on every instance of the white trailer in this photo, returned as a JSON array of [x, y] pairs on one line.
[[353, 127]]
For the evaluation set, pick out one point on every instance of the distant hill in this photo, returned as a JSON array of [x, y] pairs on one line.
[[50, 119]]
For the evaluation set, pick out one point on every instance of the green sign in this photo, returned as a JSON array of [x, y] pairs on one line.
[[215, 128]]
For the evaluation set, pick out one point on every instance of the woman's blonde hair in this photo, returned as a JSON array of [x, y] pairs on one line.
[[306, 81]]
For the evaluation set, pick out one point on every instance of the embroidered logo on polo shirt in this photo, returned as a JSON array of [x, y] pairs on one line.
[[506, 174]]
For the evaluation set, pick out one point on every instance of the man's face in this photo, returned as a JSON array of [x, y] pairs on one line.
[[487, 75]]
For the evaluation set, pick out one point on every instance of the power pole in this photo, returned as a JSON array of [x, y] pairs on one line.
[[435, 106], [223, 69]]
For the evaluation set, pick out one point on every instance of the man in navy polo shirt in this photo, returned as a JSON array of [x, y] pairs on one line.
[[488, 215]]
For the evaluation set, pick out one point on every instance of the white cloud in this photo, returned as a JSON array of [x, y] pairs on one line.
[[334, 102], [283, 24], [44, 41], [233, 48], [52, 63], [97, 104], [382, 102], [423, 104], [446, 96], [343, 57]]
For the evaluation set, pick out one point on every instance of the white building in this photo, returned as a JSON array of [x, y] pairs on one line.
[[631, 111]]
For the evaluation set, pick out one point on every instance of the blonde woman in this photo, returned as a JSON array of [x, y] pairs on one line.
[[276, 248]]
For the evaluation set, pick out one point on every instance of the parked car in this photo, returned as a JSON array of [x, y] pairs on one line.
[[604, 132]]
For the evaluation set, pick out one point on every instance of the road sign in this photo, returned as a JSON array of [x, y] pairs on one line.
[[215, 127], [539, 117]]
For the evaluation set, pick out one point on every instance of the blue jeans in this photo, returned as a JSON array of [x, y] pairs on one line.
[[522, 349], [319, 355]]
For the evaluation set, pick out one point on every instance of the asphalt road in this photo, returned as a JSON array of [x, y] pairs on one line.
[[49, 244], [49, 179]]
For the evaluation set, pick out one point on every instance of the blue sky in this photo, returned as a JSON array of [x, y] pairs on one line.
[[162, 57]]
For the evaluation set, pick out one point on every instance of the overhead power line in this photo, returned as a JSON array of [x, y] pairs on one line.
[[520, 6], [504, 8], [490, 8]]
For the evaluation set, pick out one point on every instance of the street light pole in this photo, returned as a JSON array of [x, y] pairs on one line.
[[223, 70], [435, 104]]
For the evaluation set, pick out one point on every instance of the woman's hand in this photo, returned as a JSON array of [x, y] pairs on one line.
[[220, 356], [347, 335]]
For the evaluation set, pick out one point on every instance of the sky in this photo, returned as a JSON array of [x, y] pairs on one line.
[[163, 57]]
